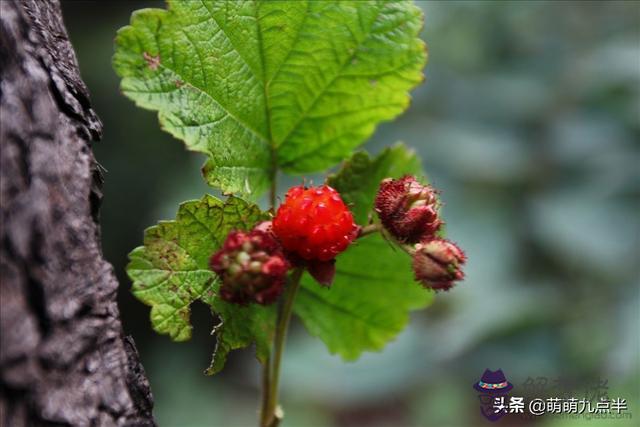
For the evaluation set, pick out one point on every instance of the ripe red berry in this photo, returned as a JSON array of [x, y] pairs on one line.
[[408, 209], [251, 265], [314, 223]]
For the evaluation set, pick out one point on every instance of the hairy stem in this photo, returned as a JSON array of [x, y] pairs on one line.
[[271, 416]]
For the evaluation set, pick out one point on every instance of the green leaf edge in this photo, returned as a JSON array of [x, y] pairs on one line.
[[274, 166], [218, 307]]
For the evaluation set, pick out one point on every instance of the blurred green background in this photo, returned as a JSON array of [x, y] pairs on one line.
[[529, 123]]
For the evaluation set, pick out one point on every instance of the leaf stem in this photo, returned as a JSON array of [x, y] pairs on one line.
[[266, 381], [369, 229], [375, 228], [273, 192], [271, 414], [266, 368]]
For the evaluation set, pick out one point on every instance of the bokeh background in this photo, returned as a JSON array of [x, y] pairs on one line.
[[529, 121]]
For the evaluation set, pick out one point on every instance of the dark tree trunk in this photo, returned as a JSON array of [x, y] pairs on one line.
[[63, 357]]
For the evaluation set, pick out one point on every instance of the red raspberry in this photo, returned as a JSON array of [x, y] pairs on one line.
[[314, 223], [251, 265]]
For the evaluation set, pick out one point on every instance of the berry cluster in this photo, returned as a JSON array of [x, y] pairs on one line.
[[252, 266], [408, 210], [311, 227]]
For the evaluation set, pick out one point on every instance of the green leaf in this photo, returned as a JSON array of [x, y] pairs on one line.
[[261, 85], [171, 271], [368, 303], [239, 327], [374, 290], [360, 177]]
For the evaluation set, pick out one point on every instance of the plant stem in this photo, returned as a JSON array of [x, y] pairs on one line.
[[273, 192], [375, 228], [266, 381], [270, 417], [266, 368], [369, 229]]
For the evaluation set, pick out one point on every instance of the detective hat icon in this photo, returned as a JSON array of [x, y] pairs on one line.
[[493, 382]]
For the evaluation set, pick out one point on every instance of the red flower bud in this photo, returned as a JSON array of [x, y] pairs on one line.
[[251, 265], [437, 264], [408, 209]]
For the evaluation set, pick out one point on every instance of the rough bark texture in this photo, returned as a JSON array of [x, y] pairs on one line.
[[63, 357]]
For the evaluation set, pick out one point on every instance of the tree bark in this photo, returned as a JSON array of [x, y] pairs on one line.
[[63, 357]]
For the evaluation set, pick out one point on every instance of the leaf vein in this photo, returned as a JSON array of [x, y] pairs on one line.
[[346, 312]]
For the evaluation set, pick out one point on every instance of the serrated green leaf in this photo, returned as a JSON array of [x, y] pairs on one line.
[[260, 85], [359, 178], [369, 302], [166, 278], [374, 290], [171, 271], [239, 327]]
